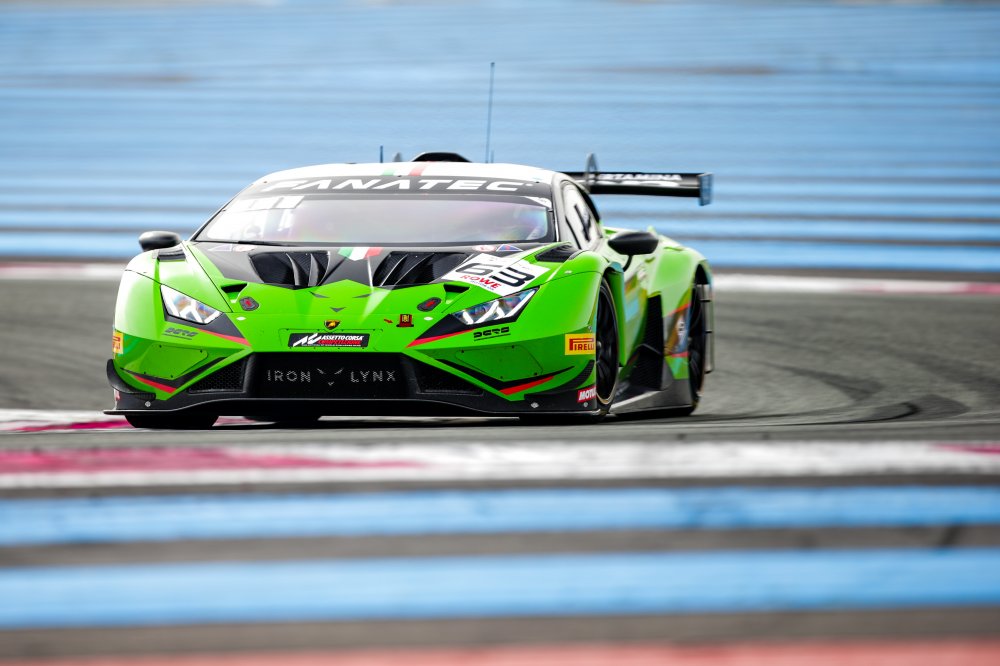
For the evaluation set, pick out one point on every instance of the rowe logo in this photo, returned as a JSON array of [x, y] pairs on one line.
[[587, 394], [580, 343]]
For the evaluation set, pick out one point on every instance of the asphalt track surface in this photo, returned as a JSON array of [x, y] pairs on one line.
[[793, 369], [792, 365]]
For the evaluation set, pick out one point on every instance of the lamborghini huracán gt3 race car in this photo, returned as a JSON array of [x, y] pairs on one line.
[[436, 286]]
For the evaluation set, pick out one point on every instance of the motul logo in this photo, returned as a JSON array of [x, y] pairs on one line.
[[589, 393]]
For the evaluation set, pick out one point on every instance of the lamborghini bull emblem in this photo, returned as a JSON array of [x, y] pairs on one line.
[[331, 324]]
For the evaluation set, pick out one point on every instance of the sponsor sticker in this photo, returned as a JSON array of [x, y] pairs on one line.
[[580, 343], [677, 340], [117, 342], [405, 321], [586, 394], [341, 340], [179, 333], [502, 276], [429, 304], [389, 184], [490, 333], [329, 377], [249, 304]]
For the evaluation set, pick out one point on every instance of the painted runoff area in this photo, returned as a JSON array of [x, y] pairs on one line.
[[481, 460], [495, 586], [969, 652], [262, 516]]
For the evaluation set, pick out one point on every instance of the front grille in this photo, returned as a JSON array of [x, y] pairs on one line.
[[557, 254], [229, 378], [291, 269], [411, 268], [324, 374], [435, 380]]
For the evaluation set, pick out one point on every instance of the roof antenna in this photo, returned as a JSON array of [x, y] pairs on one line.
[[381, 154], [489, 113]]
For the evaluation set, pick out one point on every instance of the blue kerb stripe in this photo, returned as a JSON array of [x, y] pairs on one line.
[[451, 587], [802, 254], [107, 520], [796, 229], [81, 245]]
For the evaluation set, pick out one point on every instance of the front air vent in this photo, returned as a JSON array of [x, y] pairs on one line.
[[175, 253], [297, 270], [229, 378], [557, 254], [434, 380], [649, 367], [401, 269]]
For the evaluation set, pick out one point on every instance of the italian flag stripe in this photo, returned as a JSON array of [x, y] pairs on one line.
[[359, 253]]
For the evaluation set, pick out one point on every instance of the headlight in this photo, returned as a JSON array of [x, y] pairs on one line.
[[507, 307], [185, 307]]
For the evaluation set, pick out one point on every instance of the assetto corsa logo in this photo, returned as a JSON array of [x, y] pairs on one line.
[[580, 343], [357, 340]]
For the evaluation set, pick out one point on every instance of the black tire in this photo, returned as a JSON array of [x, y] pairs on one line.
[[172, 421], [606, 354], [697, 345]]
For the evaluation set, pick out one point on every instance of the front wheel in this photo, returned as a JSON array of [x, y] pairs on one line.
[[606, 343], [605, 325], [172, 421]]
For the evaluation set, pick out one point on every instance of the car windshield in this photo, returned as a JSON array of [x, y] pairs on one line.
[[393, 220]]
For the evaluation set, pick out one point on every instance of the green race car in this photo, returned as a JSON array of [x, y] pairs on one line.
[[430, 287]]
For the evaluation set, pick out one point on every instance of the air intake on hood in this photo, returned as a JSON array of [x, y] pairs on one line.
[[412, 268], [291, 269], [175, 253], [557, 254]]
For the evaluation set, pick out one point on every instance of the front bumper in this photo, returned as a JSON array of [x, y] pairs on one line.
[[363, 384]]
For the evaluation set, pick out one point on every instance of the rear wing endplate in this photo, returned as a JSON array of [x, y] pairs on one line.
[[694, 185]]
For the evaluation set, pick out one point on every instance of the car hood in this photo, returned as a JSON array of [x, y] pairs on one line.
[[310, 266]]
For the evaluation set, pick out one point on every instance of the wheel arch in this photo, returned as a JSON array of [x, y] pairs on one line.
[[703, 281], [616, 282]]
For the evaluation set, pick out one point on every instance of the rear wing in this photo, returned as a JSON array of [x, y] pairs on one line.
[[694, 185]]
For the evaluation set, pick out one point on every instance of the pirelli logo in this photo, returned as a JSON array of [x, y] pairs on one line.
[[580, 343], [116, 342]]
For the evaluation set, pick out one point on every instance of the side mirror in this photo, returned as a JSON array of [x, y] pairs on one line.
[[158, 240], [631, 243]]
